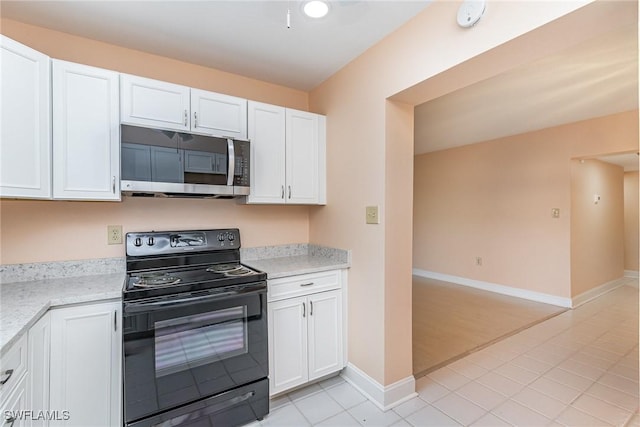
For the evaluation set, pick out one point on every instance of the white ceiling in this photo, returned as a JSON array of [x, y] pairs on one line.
[[590, 80], [628, 161], [248, 38]]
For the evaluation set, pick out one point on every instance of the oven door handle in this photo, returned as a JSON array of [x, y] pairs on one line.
[[148, 306]]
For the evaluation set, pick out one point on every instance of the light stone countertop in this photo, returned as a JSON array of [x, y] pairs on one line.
[[294, 265], [23, 303], [27, 291], [291, 260]]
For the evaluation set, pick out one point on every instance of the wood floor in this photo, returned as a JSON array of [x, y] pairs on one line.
[[451, 321]]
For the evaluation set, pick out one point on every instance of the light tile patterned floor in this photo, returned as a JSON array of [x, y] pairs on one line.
[[577, 369]]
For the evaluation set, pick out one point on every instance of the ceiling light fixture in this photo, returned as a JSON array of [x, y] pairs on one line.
[[316, 8]]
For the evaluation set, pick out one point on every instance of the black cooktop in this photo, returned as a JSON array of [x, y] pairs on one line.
[[170, 281], [167, 263]]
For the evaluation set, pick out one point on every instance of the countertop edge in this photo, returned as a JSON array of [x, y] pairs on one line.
[[10, 337], [319, 259], [279, 275]]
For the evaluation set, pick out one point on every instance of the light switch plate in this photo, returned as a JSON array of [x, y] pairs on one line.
[[372, 215]]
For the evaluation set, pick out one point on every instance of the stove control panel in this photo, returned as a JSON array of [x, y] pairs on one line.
[[174, 242]]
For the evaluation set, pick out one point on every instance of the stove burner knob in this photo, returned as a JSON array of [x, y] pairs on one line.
[[231, 237], [151, 241], [220, 237], [138, 241]]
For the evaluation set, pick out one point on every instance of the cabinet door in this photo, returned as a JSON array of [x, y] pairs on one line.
[[38, 362], [12, 408], [302, 157], [218, 115], [325, 333], [288, 366], [25, 122], [267, 136], [153, 103], [86, 132], [85, 366]]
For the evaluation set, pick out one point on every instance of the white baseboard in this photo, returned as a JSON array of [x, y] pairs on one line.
[[494, 287], [384, 397], [632, 274], [587, 296]]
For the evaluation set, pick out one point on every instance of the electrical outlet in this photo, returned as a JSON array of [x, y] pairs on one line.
[[372, 215], [478, 261], [555, 213], [114, 234]]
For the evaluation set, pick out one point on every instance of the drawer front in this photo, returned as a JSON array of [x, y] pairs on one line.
[[303, 284], [16, 403], [12, 366]]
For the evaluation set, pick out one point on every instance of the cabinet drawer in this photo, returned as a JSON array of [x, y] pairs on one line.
[[12, 366], [15, 403], [303, 284]]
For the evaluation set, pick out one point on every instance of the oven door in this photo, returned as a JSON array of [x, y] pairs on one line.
[[183, 348]]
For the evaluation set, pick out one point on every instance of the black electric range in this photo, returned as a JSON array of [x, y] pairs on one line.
[[195, 331]]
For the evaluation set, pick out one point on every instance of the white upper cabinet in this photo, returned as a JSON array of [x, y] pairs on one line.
[[267, 136], [303, 157], [153, 103], [25, 124], [218, 115], [288, 163], [86, 132], [158, 104]]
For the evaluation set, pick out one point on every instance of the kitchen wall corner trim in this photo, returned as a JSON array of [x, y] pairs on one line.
[[494, 287], [384, 397]]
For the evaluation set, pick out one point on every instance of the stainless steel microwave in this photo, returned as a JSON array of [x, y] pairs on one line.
[[158, 162]]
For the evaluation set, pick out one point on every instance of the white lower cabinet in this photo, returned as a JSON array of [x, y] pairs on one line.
[[38, 362], [324, 329], [66, 371], [85, 368], [306, 331], [288, 361], [13, 384], [15, 405]]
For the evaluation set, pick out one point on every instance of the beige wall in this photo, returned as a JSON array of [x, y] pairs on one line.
[[597, 229], [494, 200], [36, 231], [631, 221], [425, 58]]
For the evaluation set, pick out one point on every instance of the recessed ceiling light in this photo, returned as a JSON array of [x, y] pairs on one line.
[[316, 8]]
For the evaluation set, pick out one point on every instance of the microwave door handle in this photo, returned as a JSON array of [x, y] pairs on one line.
[[231, 170]]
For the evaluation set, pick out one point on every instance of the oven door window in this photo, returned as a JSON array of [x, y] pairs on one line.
[[190, 341]]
